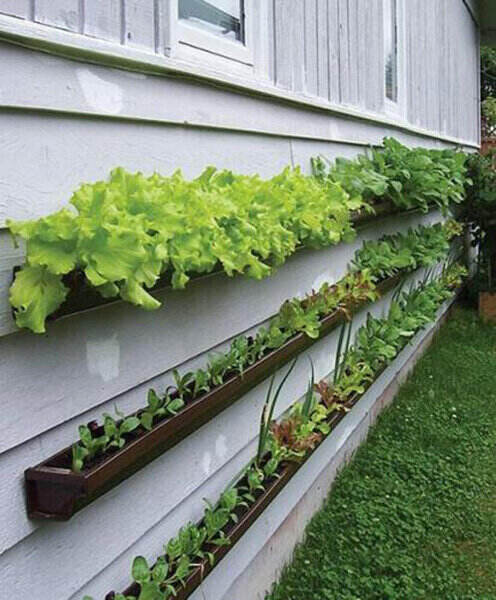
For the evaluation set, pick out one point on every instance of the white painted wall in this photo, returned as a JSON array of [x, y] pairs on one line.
[[325, 53], [140, 515], [63, 122]]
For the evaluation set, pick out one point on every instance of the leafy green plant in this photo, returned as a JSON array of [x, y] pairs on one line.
[[201, 382], [126, 232], [158, 407], [218, 365], [479, 212], [90, 446], [419, 247], [488, 107], [420, 177], [151, 579], [357, 176], [155, 408], [115, 431], [297, 433], [182, 382], [408, 177], [239, 353], [87, 447]]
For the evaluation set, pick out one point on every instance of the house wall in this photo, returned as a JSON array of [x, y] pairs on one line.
[[86, 86], [328, 52]]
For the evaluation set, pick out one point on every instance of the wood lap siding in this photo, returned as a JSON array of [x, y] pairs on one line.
[[63, 122], [107, 351], [328, 49]]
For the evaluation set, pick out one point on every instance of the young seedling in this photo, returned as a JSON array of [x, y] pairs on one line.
[[87, 447], [183, 383], [155, 408], [201, 382], [217, 367], [239, 354], [215, 519], [268, 413], [116, 431]]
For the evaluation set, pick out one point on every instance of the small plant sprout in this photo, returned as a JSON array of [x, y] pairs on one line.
[[183, 383], [201, 382], [115, 430], [87, 447], [268, 413], [342, 351]]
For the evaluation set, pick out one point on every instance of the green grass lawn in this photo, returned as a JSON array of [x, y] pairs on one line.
[[414, 515]]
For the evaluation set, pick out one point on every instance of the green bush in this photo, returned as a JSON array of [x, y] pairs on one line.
[[479, 211]]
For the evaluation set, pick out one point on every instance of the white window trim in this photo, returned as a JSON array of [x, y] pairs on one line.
[[398, 109], [197, 45]]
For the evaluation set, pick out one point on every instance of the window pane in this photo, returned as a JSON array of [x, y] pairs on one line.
[[221, 17], [391, 49]]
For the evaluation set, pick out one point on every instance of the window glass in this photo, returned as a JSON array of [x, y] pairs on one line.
[[220, 17], [391, 49]]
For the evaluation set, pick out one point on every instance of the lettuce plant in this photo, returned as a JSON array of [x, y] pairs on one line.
[[90, 445], [408, 177], [294, 436], [420, 177], [420, 247], [124, 233], [158, 407]]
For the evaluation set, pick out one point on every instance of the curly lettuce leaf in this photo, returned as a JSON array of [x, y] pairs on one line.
[[35, 294], [51, 241]]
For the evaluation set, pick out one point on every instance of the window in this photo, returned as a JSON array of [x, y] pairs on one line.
[[391, 49], [217, 28], [221, 17], [395, 84]]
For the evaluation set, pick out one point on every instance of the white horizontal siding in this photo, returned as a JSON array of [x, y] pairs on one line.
[[330, 50], [80, 121], [111, 355], [71, 122], [170, 492]]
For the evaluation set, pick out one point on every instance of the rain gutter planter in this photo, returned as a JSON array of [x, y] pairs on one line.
[[55, 492], [82, 296], [247, 517]]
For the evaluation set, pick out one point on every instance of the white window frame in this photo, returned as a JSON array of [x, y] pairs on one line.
[[199, 45], [397, 108]]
